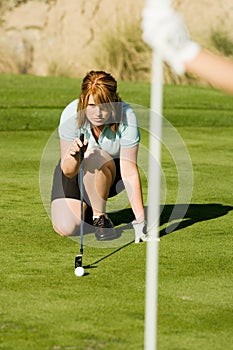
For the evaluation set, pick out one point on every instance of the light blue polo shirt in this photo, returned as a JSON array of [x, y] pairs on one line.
[[127, 135]]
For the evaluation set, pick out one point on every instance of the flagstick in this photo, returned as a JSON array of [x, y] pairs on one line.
[[150, 335]]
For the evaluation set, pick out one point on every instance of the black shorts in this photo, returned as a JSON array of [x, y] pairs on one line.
[[64, 187]]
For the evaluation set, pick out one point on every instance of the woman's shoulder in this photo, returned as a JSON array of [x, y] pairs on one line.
[[126, 106], [70, 111], [67, 125], [129, 115]]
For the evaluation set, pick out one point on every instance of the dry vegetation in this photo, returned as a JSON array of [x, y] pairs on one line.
[[53, 37]]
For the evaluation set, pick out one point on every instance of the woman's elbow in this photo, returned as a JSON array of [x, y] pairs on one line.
[[69, 175], [67, 172]]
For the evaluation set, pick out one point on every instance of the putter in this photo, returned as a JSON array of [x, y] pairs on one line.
[[78, 258]]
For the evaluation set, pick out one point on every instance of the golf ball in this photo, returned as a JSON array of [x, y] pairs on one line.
[[79, 271]]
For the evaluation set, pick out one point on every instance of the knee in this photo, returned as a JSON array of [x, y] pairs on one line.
[[110, 167], [64, 216], [96, 159], [65, 228]]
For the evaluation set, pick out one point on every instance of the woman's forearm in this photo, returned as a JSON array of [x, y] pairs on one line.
[[69, 162], [70, 166], [132, 184]]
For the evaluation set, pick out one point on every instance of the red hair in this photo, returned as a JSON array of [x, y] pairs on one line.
[[103, 87]]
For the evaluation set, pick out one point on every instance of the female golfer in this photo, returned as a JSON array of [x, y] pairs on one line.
[[111, 140]]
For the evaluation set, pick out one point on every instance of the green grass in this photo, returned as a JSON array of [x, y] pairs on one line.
[[43, 305]]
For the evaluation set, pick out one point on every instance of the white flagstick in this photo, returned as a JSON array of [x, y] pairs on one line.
[[151, 298], [150, 341]]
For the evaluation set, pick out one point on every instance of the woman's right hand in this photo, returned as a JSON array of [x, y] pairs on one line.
[[77, 145]]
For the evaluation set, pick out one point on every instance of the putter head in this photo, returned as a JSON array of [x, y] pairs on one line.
[[78, 260]]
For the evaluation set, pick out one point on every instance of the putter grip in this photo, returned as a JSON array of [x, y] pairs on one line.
[[82, 149], [81, 137]]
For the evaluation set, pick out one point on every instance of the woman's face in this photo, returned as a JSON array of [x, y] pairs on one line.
[[97, 114]]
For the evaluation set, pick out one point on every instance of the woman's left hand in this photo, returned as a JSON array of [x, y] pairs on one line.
[[140, 231]]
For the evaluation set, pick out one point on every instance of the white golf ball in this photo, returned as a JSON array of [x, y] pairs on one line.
[[79, 271]]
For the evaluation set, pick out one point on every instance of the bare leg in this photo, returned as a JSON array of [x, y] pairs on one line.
[[66, 215], [100, 173]]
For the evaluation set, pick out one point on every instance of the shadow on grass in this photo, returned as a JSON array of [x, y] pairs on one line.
[[93, 265], [175, 217], [193, 213]]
